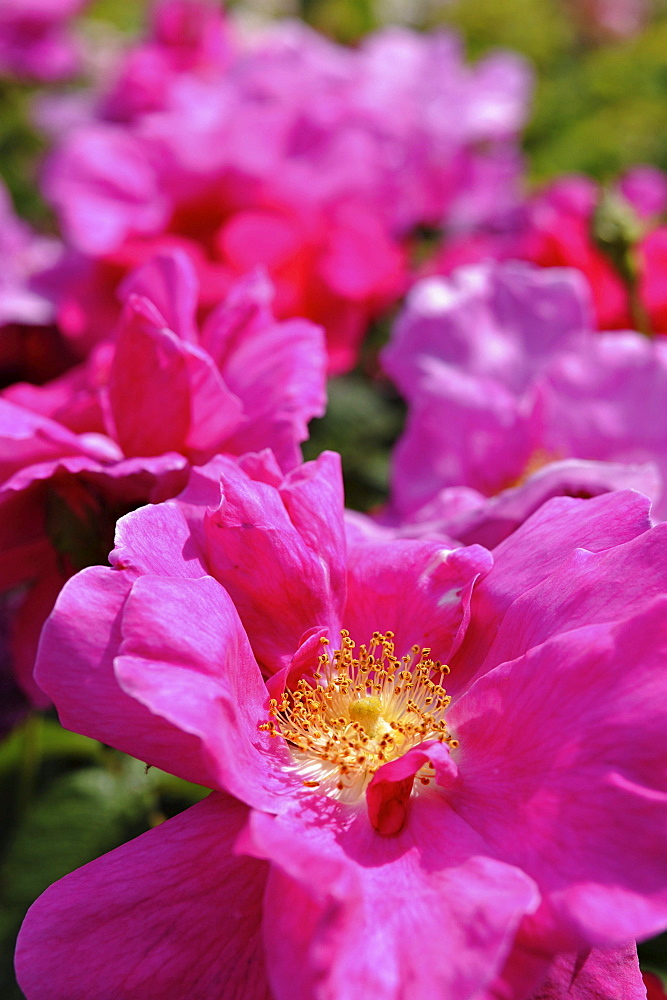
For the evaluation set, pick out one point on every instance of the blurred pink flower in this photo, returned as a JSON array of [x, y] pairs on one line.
[[615, 18], [36, 41], [121, 430], [555, 229], [30, 345], [311, 159], [512, 398], [369, 833]]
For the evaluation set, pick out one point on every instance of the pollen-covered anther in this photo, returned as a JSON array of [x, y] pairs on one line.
[[362, 708]]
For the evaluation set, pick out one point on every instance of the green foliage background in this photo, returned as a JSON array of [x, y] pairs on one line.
[[599, 108]]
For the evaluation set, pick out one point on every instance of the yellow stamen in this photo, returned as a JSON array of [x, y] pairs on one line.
[[363, 708]]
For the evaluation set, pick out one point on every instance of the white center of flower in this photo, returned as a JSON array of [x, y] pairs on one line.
[[361, 709]]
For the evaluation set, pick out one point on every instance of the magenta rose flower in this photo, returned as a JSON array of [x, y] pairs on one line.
[[122, 429], [513, 398], [434, 772]]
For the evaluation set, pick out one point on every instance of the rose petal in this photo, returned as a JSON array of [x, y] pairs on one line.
[[171, 914]]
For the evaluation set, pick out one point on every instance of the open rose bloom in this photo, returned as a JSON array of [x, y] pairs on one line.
[[435, 772], [513, 397]]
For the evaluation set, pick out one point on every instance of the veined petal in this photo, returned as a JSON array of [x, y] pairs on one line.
[[280, 551], [555, 780], [587, 588], [185, 656], [165, 394], [596, 975], [537, 549], [351, 914], [168, 280], [75, 668], [422, 588]]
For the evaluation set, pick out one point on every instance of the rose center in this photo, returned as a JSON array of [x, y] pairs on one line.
[[362, 707]]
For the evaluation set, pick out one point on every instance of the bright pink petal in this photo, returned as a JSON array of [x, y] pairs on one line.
[[279, 375], [171, 914], [555, 781], [148, 387], [185, 656], [534, 551], [169, 281], [71, 399], [246, 310], [178, 525], [357, 915], [277, 369], [496, 321], [252, 238], [106, 187], [419, 590], [75, 668], [598, 975], [215, 412], [463, 430], [27, 438], [86, 488], [493, 519], [587, 588], [607, 402], [57, 517], [532, 973], [360, 259], [120, 483], [279, 551], [165, 395], [137, 552], [389, 792], [525, 969]]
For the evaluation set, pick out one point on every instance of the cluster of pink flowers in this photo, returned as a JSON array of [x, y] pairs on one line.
[[311, 159], [556, 228], [434, 736]]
